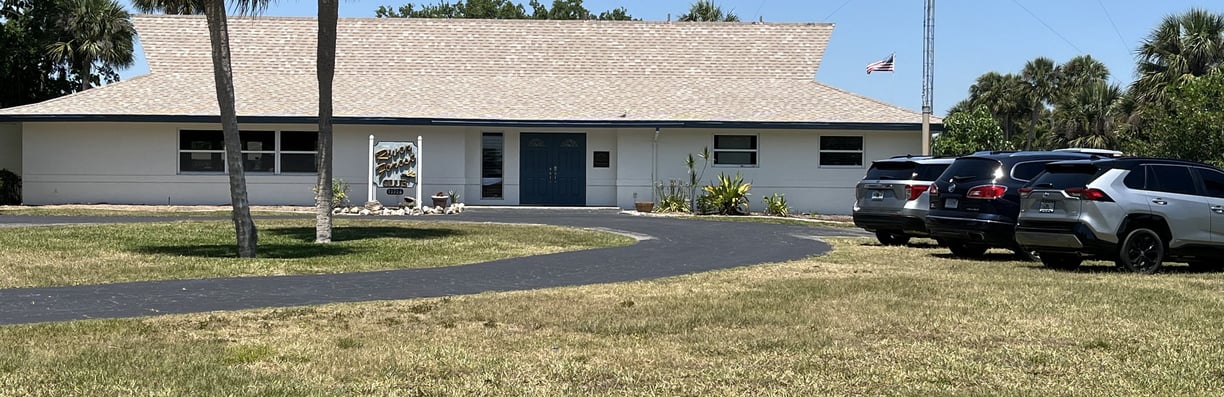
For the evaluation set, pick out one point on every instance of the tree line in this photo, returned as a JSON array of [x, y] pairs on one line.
[[1172, 109], [52, 48]]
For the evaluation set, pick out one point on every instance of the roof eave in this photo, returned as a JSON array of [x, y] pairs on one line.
[[360, 120]]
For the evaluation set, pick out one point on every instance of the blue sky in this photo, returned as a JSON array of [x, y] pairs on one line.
[[972, 37]]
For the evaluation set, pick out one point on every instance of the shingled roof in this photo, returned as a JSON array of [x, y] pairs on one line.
[[491, 70]]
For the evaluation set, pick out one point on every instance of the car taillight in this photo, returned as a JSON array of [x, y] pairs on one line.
[[913, 191], [986, 192], [1025, 192], [1090, 194], [934, 190]]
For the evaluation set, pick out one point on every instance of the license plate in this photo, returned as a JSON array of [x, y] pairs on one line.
[[877, 195], [951, 203], [1046, 206]]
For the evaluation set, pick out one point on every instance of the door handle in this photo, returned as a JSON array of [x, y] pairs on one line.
[[1217, 209], [1159, 201]]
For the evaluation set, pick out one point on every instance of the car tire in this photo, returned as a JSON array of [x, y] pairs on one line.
[[892, 238], [1061, 261], [966, 250], [1142, 251]]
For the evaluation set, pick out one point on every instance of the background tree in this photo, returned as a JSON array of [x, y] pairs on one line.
[[1005, 96], [707, 11], [500, 9], [93, 32], [325, 67], [28, 74], [1192, 126], [968, 132], [1182, 46], [1086, 117], [218, 33], [1039, 74]]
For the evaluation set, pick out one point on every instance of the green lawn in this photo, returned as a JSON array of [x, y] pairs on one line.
[[91, 254], [863, 320]]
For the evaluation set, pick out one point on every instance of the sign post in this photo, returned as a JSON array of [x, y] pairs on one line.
[[370, 176], [418, 171]]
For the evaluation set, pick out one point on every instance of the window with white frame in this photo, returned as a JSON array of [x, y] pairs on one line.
[[841, 151], [270, 152], [735, 150]]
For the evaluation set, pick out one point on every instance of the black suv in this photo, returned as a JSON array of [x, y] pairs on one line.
[[975, 202]]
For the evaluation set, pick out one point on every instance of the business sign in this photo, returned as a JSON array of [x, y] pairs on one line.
[[395, 165]]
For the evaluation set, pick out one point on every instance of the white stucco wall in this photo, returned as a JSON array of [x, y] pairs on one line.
[[788, 163], [10, 147], [137, 163]]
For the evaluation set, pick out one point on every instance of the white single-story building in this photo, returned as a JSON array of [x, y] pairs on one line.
[[511, 112]]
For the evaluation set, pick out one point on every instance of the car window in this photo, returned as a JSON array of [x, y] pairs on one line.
[[1062, 177], [1136, 179], [1214, 182], [929, 172], [971, 169], [1172, 179], [899, 170], [1027, 170]]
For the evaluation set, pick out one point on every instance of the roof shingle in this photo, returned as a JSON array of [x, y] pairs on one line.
[[492, 70]]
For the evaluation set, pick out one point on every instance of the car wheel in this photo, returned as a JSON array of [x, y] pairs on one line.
[[1142, 251], [1061, 261], [966, 250], [891, 238]]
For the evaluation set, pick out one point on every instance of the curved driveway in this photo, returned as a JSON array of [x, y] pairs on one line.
[[667, 247]]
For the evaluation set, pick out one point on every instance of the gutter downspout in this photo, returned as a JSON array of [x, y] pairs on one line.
[[654, 165]]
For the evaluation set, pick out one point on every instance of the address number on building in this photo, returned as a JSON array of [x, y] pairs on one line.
[[395, 192]]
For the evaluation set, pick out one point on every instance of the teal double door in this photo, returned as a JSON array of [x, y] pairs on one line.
[[552, 169]]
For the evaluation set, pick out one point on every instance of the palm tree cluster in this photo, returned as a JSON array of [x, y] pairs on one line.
[[1047, 105]]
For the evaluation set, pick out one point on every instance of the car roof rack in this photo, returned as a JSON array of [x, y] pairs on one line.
[[1093, 151]]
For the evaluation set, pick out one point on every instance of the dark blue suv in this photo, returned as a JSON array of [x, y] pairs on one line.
[[976, 201]]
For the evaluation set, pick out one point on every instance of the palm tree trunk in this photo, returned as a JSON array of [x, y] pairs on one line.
[[326, 65], [1032, 132], [218, 32]]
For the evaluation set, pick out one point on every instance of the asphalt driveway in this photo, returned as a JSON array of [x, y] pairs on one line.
[[666, 247]]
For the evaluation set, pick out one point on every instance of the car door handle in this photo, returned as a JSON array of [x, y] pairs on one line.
[[1159, 202], [1217, 209]]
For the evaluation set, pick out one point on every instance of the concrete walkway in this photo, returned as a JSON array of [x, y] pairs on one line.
[[667, 247]]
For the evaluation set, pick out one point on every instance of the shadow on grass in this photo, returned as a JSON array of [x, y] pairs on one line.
[[1173, 268], [354, 233], [987, 257], [306, 248], [277, 251]]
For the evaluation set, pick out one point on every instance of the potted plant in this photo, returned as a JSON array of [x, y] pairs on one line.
[[439, 199]]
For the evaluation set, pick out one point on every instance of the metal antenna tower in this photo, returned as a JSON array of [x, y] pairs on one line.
[[928, 72]]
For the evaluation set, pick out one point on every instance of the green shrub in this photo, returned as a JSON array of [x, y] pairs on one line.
[[776, 205], [730, 196], [672, 197], [10, 188], [340, 190]]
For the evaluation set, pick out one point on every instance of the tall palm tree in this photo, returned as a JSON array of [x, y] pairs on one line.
[[97, 31], [1006, 95], [325, 59], [1039, 74], [218, 33], [1190, 44], [707, 11], [1087, 117]]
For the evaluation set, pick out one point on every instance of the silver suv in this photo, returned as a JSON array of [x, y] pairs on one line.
[[1138, 212], [892, 199]]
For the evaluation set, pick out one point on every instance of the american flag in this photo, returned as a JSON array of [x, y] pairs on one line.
[[885, 65]]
